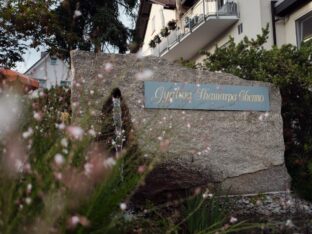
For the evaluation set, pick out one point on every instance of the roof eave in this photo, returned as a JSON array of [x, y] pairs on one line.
[[289, 6]]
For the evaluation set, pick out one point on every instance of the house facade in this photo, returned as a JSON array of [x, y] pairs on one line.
[[50, 71], [205, 24]]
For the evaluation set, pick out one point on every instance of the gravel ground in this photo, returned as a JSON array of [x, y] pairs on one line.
[[287, 212]]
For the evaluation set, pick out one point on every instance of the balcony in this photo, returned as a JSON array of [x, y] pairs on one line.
[[204, 22]]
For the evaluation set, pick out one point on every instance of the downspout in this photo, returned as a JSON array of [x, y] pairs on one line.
[[273, 22]]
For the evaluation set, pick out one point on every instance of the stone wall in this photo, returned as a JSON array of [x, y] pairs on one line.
[[237, 151]]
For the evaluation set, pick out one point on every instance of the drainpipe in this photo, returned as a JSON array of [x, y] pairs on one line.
[[273, 22], [204, 10]]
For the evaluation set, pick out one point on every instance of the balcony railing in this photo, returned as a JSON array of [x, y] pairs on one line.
[[201, 11]]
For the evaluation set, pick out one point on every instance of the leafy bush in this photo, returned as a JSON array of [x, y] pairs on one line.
[[290, 69]]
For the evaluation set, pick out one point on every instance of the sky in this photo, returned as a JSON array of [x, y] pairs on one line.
[[32, 55]]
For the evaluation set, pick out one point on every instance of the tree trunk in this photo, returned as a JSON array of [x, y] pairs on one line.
[[97, 47]]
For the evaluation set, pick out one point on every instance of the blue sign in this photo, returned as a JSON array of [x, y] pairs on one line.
[[167, 95]]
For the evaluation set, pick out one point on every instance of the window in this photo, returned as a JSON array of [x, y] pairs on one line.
[[53, 60], [240, 28], [304, 28], [42, 83], [65, 83]]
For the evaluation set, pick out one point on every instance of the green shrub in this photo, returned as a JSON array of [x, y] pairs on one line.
[[290, 69]]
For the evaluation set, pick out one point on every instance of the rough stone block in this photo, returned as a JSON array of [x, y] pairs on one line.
[[239, 151]]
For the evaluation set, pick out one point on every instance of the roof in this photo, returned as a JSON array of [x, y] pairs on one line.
[[286, 7], [9, 76], [170, 4], [142, 21], [38, 62]]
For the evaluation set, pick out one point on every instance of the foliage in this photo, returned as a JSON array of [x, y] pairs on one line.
[[152, 44], [157, 39], [290, 69], [205, 213], [189, 64], [62, 26], [164, 32], [11, 48], [172, 24], [68, 181], [62, 184]]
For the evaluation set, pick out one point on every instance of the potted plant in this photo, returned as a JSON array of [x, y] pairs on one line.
[[157, 39], [152, 44], [164, 32], [172, 24]]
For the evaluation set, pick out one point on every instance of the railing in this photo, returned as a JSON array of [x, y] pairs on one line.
[[198, 13]]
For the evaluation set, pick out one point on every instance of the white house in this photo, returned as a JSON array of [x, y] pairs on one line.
[[50, 71], [206, 24]]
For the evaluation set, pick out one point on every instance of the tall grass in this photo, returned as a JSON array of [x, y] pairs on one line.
[[59, 178]]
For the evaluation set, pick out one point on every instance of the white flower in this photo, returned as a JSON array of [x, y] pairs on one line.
[[37, 116], [60, 126], [28, 133], [77, 13], [19, 165], [144, 75], [207, 195], [92, 132], [289, 223], [75, 104], [110, 162], [233, 220], [75, 132], [74, 220], [29, 187], [64, 142], [88, 168], [59, 159], [160, 138], [59, 176], [123, 206], [28, 200]]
